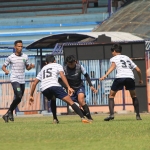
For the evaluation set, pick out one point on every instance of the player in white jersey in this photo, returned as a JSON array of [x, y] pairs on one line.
[[50, 87], [124, 77], [19, 62]]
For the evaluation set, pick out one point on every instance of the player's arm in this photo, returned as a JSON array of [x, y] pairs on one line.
[[6, 63], [112, 67], [36, 81], [138, 70], [64, 79], [29, 67], [62, 83], [87, 77], [5, 70]]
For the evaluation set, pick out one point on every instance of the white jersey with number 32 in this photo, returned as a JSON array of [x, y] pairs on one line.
[[124, 66], [49, 75]]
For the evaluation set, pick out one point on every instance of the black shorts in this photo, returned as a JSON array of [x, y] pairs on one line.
[[74, 97], [56, 91], [119, 83]]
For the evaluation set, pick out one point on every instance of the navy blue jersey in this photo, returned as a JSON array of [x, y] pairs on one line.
[[74, 75]]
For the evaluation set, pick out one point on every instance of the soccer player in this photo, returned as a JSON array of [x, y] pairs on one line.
[[50, 87], [18, 62], [124, 77], [73, 72]]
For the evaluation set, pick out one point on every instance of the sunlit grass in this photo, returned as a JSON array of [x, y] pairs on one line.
[[38, 133]]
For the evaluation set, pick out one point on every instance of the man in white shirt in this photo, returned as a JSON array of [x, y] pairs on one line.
[[50, 87], [124, 77], [19, 62]]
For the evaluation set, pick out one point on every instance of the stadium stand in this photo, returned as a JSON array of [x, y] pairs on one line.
[[31, 20]]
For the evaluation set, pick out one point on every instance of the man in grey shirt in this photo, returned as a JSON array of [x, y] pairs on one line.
[[19, 62]]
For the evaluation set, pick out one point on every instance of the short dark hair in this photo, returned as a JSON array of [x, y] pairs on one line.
[[70, 59], [50, 58], [117, 48], [18, 41]]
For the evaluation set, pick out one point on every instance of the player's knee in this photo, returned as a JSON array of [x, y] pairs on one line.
[[68, 100], [133, 96], [111, 95]]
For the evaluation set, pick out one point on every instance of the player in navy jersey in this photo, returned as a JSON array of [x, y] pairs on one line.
[[124, 77], [73, 72], [50, 87], [19, 62]]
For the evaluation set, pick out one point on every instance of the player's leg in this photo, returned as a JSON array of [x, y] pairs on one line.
[[111, 105], [61, 94], [17, 99], [81, 100], [117, 85], [130, 85], [74, 97], [22, 87], [77, 110], [54, 109], [135, 104]]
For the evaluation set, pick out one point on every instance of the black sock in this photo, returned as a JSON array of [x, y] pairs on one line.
[[53, 108], [77, 110], [83, 112], [87, 111], [111, 106], [136, 105]]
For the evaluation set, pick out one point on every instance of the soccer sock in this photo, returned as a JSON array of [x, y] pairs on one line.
[[83, 112], [53, 108], [136, 105], [87, 111], [77, 110], [111, 106]]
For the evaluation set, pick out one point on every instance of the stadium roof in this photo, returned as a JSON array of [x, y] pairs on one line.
[[133, 18], [52, 40]]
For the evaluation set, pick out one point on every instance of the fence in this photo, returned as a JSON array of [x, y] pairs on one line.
[[6, 91], [95, 68]]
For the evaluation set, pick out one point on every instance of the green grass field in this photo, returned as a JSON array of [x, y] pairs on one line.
[[38, 133]]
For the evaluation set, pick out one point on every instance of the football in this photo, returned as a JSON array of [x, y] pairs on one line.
[[70, 108]]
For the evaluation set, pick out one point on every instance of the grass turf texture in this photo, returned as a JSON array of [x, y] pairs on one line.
[[38, 133]]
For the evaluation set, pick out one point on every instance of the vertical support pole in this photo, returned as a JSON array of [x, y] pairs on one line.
[[123, 98]]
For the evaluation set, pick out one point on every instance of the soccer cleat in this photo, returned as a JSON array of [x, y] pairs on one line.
[[85, 120], [10, 116], [88, 116], [55, 121], [109, 118], [5, 118], [138, 117], [90, 119]]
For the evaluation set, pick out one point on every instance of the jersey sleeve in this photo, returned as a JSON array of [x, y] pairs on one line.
[[27, 61], [112, 60], [83, 70], [7, 61], [39, 76], [133, 65], [60, 68]]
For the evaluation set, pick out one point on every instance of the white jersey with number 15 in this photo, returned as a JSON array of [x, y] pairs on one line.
[[124, 66], [49, 75]]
